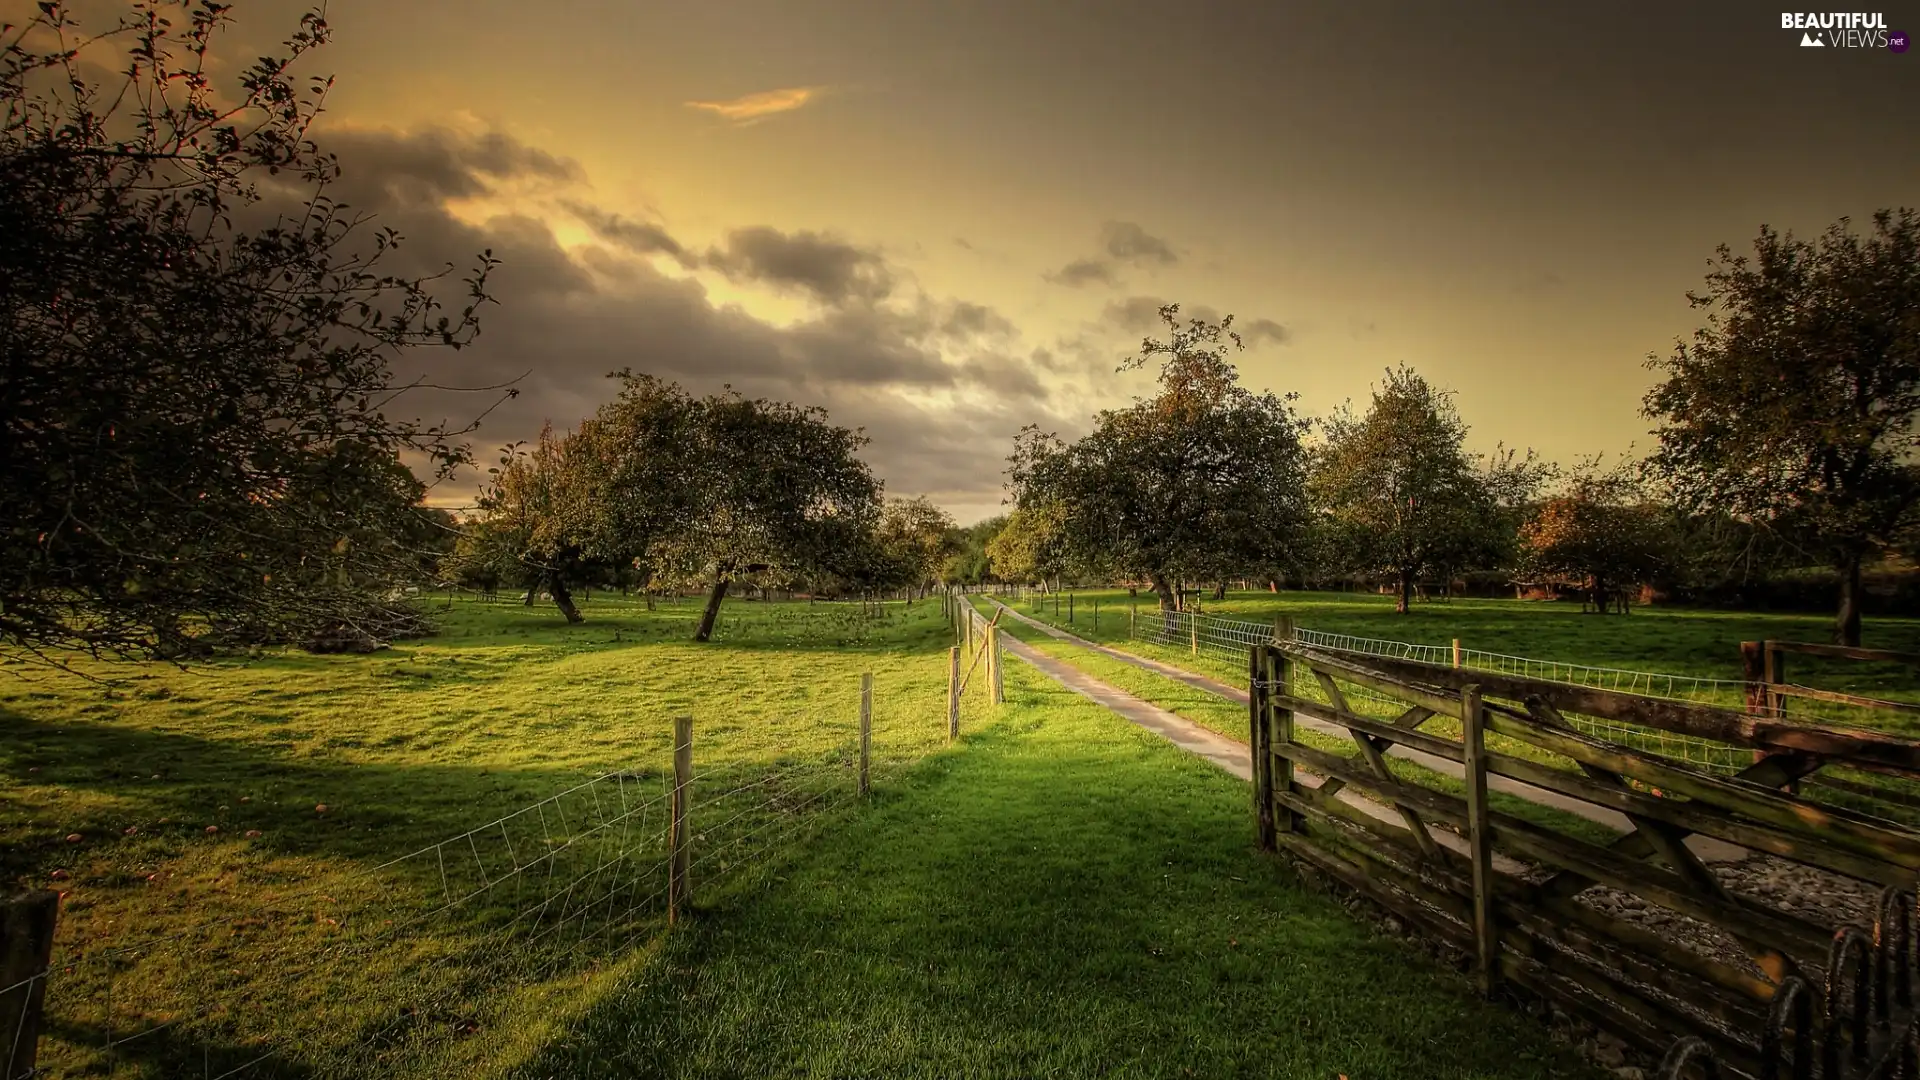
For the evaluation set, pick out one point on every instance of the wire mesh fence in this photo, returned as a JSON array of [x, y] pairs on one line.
[[1229, 639], [404, 967]]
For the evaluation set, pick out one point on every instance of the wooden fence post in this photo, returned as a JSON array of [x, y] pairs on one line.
[[26, 949], [1069, 609], [677, 843], [1456, 654], [1193, 624], [1282, 629], [1259, 735], [966, 620], [994, 654], [953, 693], [1277, 672], [866, 729], [1486, 940], [1133, 619], [1776, 673], [1096, 616]]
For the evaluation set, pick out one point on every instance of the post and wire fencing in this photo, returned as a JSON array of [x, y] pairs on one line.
[[1214, 638], [976, 648], [404, 966]]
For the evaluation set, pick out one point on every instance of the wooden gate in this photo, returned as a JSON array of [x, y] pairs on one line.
[[1407, 816]]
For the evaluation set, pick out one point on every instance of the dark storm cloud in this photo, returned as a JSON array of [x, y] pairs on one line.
[[874, 355], [831, 270]]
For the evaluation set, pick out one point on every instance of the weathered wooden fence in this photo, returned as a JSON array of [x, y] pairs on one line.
[[1519, 894]]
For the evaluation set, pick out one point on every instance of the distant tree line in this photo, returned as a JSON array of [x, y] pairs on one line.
[[1786, 448]]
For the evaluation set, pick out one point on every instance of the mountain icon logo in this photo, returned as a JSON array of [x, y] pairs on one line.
[[1809, 40]]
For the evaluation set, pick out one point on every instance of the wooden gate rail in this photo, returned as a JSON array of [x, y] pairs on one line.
[[1504, 889]]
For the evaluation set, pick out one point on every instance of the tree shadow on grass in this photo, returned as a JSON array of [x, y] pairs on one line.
[[101, 778], [1065, 897]]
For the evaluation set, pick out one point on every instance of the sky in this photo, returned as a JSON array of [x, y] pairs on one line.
[[943, 222]]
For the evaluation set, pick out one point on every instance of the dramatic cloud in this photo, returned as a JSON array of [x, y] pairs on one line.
[[833, 271], [744, 110], [436, 165], [939, 384], [1121, 243], [639, 237]]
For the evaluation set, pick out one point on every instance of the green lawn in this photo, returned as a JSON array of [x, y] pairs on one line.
[[1060, 894], [282, 904], [1070, 896], [1664, 640], [1229, 718]]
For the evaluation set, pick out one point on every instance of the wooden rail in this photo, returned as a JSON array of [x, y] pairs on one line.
[[1509, 890]]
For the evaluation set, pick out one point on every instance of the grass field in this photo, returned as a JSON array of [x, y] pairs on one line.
[[177, 810], [1664, 640], [1069, 897], [1060, 894], [1229, 718]]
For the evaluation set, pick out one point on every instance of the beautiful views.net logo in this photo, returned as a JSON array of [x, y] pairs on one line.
[[1845, 30]]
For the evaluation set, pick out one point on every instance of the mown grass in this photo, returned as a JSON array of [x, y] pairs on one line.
[[1666, 640], [1067, 896], [1059, 894], [1678, 641], [180, 807]]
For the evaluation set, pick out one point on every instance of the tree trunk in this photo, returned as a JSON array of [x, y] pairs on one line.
[[1220, 591], [712, 613], [563, 599], [532, 591], [1599, 596], [1846, 625], [1168, 601], [1403, 601]]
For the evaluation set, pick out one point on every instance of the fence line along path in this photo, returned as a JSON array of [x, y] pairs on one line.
[[1707, 848]]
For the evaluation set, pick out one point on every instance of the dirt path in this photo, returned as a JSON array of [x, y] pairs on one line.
[[1188, 734]]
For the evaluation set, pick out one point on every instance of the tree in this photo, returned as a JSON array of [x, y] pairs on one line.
[[919, 536], [1031, 545], [1599, 531], [1203, 478], [198, 422], [1397, 491], [1795, 405], [544, 515], [715, 489], [970, 564]]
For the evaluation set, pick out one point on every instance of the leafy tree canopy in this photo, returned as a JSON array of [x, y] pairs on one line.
[[199, 425], [1795, 405], [1200, 480]]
